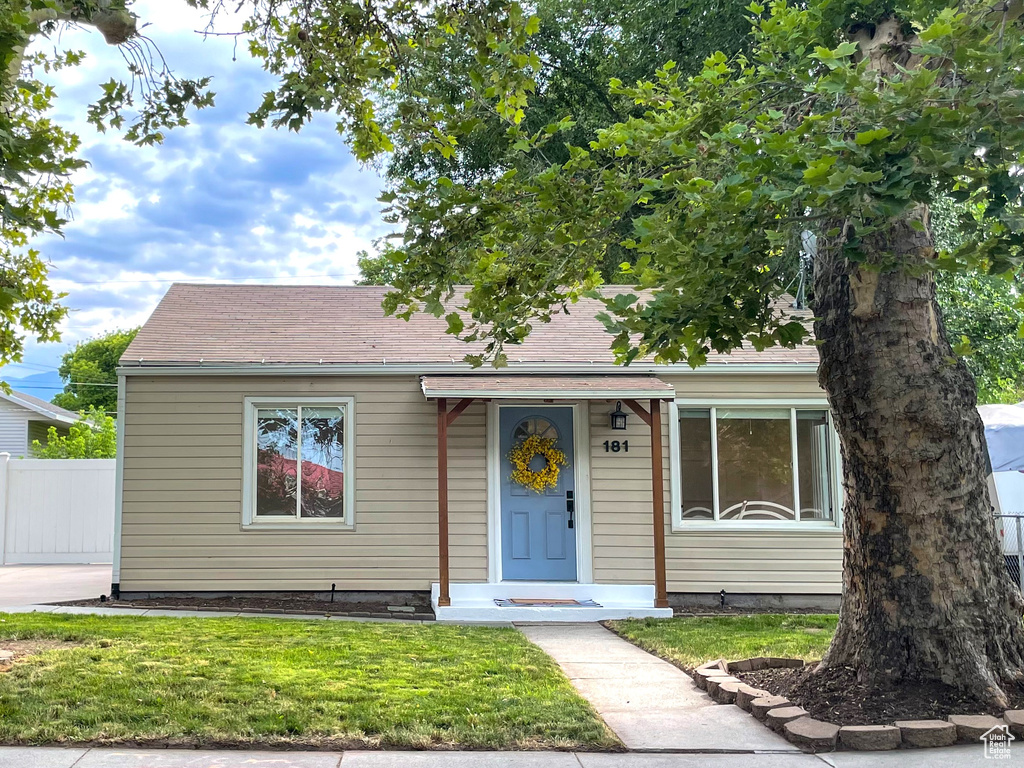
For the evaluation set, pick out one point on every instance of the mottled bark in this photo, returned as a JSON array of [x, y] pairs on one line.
[[925, 594], [117, 25]]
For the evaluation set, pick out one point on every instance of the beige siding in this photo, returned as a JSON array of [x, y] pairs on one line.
[[738, 562], [183, 490]]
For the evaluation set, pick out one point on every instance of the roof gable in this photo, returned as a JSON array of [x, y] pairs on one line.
[[345, 325], [40, 407]]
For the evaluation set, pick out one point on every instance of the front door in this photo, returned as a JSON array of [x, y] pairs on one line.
[[538, 533]]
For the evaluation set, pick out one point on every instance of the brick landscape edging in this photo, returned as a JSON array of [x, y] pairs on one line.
[[811, 735]]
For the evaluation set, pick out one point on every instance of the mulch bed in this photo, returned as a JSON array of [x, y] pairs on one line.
[[835, 696], [710, 611], [299, 605]]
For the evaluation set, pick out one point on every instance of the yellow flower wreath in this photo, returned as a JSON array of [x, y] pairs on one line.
[[522, 454]]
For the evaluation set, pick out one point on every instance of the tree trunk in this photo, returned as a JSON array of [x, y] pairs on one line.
[[925, 592]]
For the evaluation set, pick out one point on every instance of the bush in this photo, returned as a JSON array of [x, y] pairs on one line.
[[93, 436]]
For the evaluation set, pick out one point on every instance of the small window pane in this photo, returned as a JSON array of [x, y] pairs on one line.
[[323, 462], [755, 465], [695, 459], [534, 425], [814, 455], [276, 451]]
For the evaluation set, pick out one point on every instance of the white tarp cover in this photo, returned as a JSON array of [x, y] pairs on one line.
[[1004, 431]]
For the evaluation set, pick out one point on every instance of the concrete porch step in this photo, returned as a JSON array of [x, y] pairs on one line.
[[476, 602]]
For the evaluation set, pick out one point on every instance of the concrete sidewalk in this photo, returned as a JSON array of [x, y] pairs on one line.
[[967, 756], [650, 704]]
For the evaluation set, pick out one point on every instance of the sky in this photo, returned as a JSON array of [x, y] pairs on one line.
[[217, 201]]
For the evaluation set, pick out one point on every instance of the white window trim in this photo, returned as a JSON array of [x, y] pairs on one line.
[[800, 527], [249, 520]]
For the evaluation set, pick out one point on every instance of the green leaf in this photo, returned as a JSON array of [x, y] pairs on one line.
[[455, 323], [940, 28], [866, 137], [818, 170]]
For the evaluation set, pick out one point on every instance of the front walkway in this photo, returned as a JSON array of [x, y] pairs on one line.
[[967, 756], [650, 704]]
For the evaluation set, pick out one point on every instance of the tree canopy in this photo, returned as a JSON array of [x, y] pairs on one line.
[[580, 44], [984, 315], [94, 436], [93, 362], [578, 47], [728, 167]]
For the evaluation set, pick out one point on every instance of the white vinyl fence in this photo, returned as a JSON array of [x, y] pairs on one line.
[[56, 510]]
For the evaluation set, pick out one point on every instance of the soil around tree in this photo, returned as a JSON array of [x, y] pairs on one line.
[[410, 608], [834, 695]]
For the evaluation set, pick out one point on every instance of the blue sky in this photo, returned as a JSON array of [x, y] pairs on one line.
[[218, 200]]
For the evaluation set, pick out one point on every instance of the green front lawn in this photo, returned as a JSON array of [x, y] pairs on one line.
[[304, 683], [689, 642]]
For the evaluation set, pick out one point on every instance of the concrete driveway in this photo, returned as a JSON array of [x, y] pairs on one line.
[[31, 584]]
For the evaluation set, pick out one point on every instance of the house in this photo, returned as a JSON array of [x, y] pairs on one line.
[[678, 485], [24, 418]]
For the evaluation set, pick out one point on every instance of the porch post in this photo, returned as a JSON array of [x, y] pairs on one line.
[[658, 480], [444, 596]]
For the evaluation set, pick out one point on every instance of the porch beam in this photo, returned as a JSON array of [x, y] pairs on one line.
[[658, 489], [444, 593], [640, 411], [455, 412]]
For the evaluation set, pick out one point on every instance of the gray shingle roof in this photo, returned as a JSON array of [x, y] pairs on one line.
[[43, 408], [271, 324]]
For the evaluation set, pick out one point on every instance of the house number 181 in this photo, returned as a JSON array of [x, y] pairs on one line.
[[614, 446]]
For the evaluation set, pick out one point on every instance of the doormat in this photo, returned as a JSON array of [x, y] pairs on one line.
[[519, 602]]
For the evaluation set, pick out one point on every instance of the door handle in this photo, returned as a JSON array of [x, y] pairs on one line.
[[570, 506]]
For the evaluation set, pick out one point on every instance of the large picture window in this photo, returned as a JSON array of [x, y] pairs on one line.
[[755, 464], [298, 462]]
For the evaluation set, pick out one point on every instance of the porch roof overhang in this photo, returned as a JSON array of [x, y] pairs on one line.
[[525, 387]]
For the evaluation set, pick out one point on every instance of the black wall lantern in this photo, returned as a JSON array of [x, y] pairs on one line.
[[618, 418]]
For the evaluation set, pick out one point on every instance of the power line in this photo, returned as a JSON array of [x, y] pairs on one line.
[[69, 384], [42, 368]]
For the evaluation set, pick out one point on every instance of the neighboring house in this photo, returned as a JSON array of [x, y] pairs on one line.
[[406, 482], [24, 418]]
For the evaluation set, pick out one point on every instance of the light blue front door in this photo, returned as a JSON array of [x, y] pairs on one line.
[[538, 531]]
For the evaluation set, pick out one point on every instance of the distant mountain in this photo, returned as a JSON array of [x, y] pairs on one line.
[[42, 385]]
